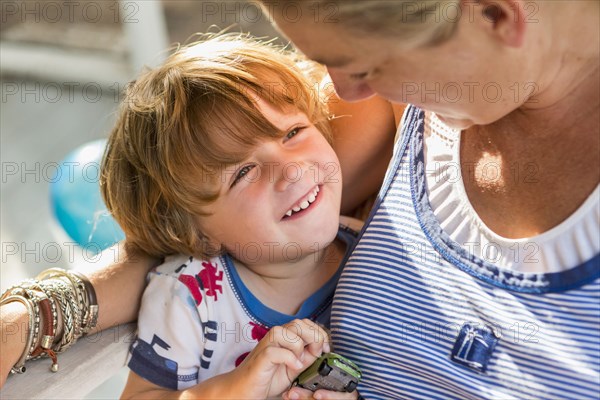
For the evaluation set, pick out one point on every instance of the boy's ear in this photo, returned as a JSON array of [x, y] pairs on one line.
[[505, 18]]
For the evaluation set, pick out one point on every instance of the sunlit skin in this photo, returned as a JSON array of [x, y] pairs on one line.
[[524, 87], [558, 134], [249, 218], [460, 92], [249, 221]]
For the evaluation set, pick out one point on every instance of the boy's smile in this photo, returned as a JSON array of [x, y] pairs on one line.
[[282, 203], [304, 203]]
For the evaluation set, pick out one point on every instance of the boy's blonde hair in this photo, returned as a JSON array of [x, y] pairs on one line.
[[182, 123]]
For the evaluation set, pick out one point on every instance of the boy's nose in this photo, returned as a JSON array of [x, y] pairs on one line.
[[350, 89], [283, 167], [288, 174]]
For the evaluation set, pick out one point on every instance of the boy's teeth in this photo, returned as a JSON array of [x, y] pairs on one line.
[[304, 205]]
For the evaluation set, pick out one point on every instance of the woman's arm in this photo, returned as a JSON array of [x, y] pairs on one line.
[[13, 329], [118, 286], [363, 140]]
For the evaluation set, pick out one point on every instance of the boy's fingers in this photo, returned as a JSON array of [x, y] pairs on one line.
[[329, 395], [297, 393], [286, 338], [311, 334], [277, 356], [298, 334]]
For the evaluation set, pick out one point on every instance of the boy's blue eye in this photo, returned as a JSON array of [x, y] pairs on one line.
[[292, 133], [241, 173]]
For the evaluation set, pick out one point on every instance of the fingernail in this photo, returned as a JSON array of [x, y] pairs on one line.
[[326, 347], [299, 364], [294, 396], [316, 395]]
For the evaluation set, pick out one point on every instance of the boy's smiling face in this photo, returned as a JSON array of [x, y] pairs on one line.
[[283, 201]]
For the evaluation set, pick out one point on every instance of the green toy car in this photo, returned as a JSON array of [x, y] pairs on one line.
[[331, 372]]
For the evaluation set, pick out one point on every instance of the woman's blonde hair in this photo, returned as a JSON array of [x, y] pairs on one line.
[[413, 22], [182, 123]]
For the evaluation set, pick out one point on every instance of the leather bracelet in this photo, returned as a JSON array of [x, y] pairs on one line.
[[92, 313], [45, 346], [53, 306], [90, 317]]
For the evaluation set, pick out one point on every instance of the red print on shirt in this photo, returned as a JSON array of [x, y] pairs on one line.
[[191, 282], [210, 279], [257, 333]]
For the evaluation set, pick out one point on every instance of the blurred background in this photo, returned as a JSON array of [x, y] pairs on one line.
[[62, 67]]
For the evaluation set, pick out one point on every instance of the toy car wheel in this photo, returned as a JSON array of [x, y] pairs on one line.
[[324, 369], [351, 386]]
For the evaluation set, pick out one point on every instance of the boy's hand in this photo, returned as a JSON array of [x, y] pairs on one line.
[[279, 357], [297, 393]]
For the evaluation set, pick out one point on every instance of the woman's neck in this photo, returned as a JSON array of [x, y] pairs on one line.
[[548, 150], [569, 43], [285, 286], [548, 158]]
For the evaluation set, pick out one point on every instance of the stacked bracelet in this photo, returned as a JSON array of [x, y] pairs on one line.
[[85, 294], [55, 290]]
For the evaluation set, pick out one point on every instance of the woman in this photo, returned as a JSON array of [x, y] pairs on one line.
[[477, 273]]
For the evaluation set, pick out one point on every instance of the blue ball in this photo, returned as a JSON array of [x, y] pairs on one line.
[[77, 202]]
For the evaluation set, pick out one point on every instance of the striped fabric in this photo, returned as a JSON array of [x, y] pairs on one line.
[[424, 319]]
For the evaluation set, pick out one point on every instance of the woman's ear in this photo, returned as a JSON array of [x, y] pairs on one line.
[[506, 19]]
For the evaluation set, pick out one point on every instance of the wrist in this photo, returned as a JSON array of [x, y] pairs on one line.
[[14, 330]]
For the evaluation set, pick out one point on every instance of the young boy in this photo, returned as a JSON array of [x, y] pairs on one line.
[[221, 162]]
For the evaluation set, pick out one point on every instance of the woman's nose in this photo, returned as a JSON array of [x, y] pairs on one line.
[[350, 89]]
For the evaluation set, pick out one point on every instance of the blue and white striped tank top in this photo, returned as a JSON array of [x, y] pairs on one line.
[[424, 319]]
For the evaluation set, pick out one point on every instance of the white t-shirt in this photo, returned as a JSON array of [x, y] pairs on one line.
[[198, 319]]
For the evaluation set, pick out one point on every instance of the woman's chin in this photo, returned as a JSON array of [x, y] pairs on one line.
[[456, 123]]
